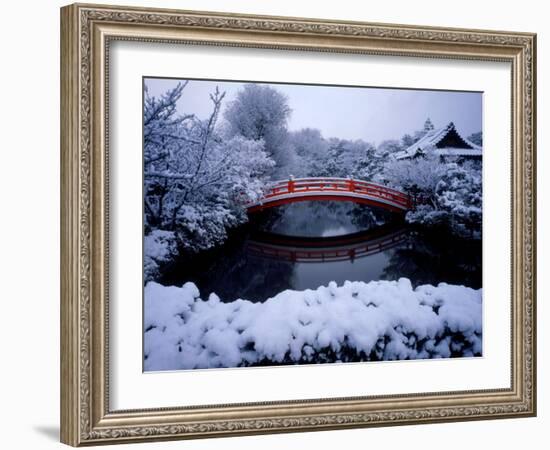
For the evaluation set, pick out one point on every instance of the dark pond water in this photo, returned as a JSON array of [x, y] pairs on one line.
[[306, 245]]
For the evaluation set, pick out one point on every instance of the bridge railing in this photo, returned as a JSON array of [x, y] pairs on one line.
[[332, 184]]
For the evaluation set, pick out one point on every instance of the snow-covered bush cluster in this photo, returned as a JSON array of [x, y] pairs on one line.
[[160, 247], [381, 320], [459, 194], [449, 194]]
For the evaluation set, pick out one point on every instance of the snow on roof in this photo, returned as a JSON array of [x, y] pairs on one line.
[[454, 151], [434, 137]]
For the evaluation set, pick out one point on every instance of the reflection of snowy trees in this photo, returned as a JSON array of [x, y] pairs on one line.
[[231, 272], [429, 257]]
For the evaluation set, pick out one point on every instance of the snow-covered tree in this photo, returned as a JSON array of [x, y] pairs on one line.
[[407, 140], [162, 128], [389, 147], [308, 146], [369, 165], [418, 176], [260, 113], [346, 158], [459, 194], [476, 138], [447, 194], [332, 164], [197, 177]]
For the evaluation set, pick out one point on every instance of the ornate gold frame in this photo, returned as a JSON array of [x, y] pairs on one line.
[[86, 31]]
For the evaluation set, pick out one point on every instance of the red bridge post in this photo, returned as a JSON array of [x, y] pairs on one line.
[[291, 184]]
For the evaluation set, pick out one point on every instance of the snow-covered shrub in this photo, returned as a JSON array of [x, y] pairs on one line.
[[459, 194], [417, 176], [160, 247], [380, 320], [200, 227], [457, 202], [448, 194]]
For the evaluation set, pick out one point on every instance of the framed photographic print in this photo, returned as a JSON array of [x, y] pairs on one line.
[[275, 224]]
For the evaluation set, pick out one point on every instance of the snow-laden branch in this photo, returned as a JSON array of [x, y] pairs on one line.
[[168, 175], [164, 107], [197, 177]]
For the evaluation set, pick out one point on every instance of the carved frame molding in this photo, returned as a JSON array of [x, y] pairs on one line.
[[86, 32]]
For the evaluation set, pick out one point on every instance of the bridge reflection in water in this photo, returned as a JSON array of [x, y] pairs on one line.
[[325, 249], [272, 254]]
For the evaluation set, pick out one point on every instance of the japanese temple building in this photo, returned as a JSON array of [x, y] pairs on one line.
[[445, 142]]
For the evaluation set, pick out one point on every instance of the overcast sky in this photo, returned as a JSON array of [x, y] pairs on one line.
[[372, 114]]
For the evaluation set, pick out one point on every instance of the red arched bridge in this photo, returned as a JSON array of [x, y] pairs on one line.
[[336, 189]]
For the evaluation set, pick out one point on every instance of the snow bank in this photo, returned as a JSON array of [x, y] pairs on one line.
[[380, 320]]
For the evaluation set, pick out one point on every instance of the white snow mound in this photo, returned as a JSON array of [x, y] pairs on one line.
[[380, 320]]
